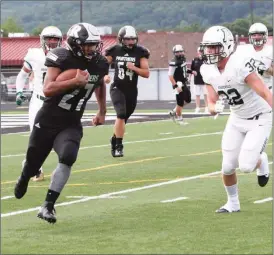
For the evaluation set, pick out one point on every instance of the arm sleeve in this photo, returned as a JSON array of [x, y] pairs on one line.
[[171, 70], [21, 80]]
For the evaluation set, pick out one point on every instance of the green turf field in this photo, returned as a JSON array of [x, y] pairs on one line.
[[128, 205]]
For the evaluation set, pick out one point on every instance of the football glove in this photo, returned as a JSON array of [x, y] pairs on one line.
[[178, 87], [219, 106], [20, 98], [261, 69]]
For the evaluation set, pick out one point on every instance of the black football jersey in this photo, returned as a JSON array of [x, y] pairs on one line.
[[123, 77], [195, 66], [180, 73], [68, 107]]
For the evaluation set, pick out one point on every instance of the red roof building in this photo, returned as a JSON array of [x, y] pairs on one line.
[[13, 50]]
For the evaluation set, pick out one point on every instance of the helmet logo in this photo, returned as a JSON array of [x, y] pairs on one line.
[[224, 39]]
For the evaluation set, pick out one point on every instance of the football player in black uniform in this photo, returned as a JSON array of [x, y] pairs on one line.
[[130, 61], [58, 123], [199, 85], [177, 74]]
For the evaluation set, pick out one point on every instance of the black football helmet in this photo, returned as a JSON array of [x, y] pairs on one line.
[[82, 34], [128, 32]]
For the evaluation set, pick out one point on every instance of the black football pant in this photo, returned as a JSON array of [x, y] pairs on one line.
[[64, 141], [124, 101], [184, 96]]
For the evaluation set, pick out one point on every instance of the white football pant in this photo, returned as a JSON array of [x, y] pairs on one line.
[[243, 141]]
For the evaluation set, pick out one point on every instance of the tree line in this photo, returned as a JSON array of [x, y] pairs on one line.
[[185, 16]]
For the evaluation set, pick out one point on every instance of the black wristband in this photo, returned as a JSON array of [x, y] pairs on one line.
[[175, 86]]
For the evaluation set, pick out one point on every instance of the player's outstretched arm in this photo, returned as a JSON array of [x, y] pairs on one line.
[[143, 70], [54, 87], [256, 83]]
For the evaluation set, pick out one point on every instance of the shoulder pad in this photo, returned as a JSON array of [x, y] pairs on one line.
[[32, 54], [109, 51], [57, 57], [145, 53]]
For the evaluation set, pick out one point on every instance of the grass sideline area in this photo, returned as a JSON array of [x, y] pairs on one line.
[[161, 197]]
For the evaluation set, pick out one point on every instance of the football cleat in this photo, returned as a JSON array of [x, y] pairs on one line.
[[47, 212], [172, 115], [263, 175], [21, 186], [228, 209], [263, 180], [119, 151], [38, 177]]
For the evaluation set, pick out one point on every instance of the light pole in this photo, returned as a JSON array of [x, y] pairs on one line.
[[81, 11], [251, 11]]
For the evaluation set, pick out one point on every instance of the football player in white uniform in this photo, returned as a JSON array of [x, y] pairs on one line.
[[50, 38], [262, 53], [233, 78]]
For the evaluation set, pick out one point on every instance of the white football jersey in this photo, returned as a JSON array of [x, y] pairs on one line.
[[263, 57], [36, 60], [230, 85]]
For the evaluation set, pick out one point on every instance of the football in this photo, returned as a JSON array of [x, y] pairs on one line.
[[67, 75]]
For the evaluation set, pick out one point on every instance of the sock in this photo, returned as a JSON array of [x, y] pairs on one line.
[[52, 196], [59, 177], [180, 117], [264, 167], [232, 194], [119, 141]]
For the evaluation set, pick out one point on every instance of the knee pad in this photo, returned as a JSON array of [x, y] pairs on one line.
[[69, 153], [246, 167], [228, 169]]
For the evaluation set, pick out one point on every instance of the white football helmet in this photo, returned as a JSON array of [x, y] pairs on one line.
[[48, 33], [258, 28], [218, 43], [128, 32], [178, 51]]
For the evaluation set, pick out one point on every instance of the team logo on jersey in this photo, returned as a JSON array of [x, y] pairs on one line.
[[93, 78], [125, 58]]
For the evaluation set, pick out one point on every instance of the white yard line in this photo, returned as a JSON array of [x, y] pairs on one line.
[[3, 215], [106, 195], [263, 200], [7, 197], [174, 200], [132, 142], [109, 197]]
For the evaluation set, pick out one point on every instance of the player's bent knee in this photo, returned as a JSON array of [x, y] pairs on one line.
[[69, 154], [228, 169]]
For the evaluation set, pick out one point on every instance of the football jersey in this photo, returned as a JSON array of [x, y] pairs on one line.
[[178, 68], [68, 107], [35, 59], [264, 58], [125, 78], [230, 85]]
